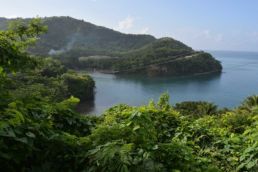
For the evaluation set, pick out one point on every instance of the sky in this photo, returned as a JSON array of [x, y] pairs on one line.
[[201, 24]]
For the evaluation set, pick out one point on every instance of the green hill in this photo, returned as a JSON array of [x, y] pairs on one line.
[[40, 130], [82, 45]]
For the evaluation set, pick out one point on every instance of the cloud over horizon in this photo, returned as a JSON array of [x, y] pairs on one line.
[[126, 23], [145, 30]]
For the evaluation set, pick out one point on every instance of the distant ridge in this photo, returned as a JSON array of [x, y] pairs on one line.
[[83, 45]]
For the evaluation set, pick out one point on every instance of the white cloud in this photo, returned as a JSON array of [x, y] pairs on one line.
[[144, 30], [11, 16], [202, 38], [127, 23]]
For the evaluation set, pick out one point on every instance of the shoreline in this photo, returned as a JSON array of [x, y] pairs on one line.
[[121, 74]]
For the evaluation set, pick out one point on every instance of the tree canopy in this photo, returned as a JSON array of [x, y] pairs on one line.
[[40, 130]]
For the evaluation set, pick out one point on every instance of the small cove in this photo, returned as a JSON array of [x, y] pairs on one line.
[[238, 80]]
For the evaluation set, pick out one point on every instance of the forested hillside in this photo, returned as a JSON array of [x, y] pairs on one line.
[[40, 131], [66, 33], [82, 45]]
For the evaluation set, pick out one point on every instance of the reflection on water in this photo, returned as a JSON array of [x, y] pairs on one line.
[[148, 81], [238, 80]]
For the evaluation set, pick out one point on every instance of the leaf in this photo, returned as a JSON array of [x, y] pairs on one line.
[[136, 127], [23, 140], [155, 147], [129, 123], [1, 69], [124, 169], [242, 157], [30, 134], [250, 164], [7, 132]]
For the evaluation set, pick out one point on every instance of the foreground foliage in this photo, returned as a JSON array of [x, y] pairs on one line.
[[40, 136], [40, 132]]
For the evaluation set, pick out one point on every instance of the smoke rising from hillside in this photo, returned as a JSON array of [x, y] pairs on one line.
[[68, 46]]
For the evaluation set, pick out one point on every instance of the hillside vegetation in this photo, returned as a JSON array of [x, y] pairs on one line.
[[40, 131], [82, 45], [66, 33]]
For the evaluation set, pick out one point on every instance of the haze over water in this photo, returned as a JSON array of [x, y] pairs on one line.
[[238, 80]]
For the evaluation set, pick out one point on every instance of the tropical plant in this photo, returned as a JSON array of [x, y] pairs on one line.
[[40, 133]]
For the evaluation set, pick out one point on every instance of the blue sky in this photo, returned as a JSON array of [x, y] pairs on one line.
[[202, 24]]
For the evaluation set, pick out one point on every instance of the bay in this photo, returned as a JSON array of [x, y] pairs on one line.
[[238, 80]]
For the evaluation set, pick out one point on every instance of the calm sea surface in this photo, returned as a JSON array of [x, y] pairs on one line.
[[238, 80]]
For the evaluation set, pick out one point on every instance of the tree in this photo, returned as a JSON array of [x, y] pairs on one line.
[[249, 103]]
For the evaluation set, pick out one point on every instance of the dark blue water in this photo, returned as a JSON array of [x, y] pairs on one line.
[[238, 80]]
